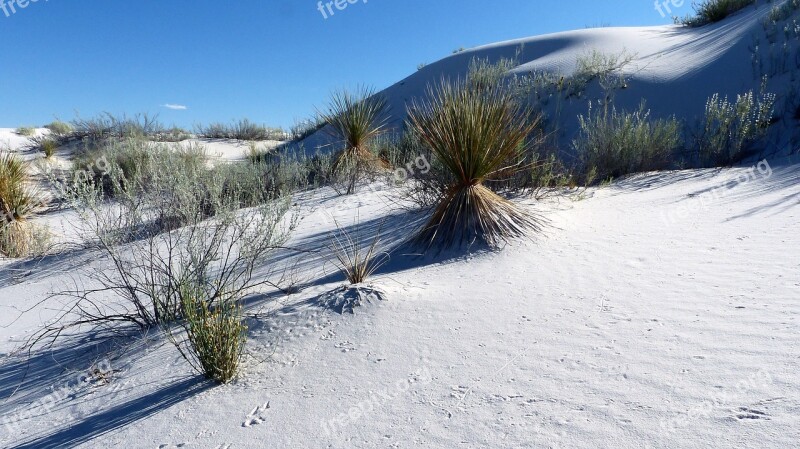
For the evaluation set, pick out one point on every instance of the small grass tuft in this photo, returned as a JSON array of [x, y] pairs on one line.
[[26, 131], [356, 260]]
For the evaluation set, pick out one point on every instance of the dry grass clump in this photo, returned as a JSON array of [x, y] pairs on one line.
[[356, 118], [477, 135], [18, 202], [26, 131]]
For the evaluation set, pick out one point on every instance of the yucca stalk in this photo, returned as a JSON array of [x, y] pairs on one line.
[[478, 135], [355, 118], [357, 261]]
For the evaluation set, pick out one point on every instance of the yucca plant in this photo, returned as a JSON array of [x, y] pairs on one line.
[[356, 259], [356, 118], [18, 201], [478, 135]]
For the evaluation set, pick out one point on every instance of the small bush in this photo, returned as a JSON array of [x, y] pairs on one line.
[[618, 143], [356, 119], [730, 128], [26, 131], [712, 11], [59, 128], [215, 332], [476, 135], [49, 147]]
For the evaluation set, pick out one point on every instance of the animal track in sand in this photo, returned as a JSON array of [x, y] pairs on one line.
[[743, 413], [256, 416]]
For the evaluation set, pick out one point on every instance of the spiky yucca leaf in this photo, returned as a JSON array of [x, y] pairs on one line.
[[18, 200], [355, 118], [357, 261], [479, 135]]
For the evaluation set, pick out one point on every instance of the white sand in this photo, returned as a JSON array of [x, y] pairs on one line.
[[659, 312]]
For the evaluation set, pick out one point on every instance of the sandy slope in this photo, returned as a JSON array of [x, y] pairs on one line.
[[647, 315], [674, 69]]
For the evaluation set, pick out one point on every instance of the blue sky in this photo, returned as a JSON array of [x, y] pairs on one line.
[[272, 61]]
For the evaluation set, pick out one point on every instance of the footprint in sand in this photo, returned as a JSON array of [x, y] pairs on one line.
[[743, 413], [256, 416]]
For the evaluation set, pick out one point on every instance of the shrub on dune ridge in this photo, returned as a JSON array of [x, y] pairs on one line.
[[26, 131], [477, 135], [712, 11], [355, 118]]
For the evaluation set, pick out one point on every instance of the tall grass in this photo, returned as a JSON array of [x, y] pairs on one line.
[[356, 119], [477, 135], [356, 259]]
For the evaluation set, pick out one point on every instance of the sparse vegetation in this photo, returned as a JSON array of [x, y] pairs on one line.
[[612, 144], [729, 128], [49, 147], [355, 119], [356, 259], [59, 128], [712, 11], [305, 128], [476, 135], [26, 131], [242, 130]]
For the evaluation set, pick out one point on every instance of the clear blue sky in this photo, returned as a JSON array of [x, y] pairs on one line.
[[272, 61]]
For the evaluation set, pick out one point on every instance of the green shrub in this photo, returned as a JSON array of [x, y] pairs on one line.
[[618, 143], [729, 128], [59, 128], [215, 333], [49, 147], [26, 131], [712, 11], [305, 128], [476, 135], [242, 130], [356, 119]]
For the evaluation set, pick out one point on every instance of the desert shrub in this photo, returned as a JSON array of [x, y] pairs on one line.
[[59, 128], [605, 67], [241, 130], [107, 125], [712, 11], [49, 147], [730, 128], [19, 201], [475, 135], [215, 333], [26, 131], [618, 143], [305, 128], [355, 119], [356, 258], [169, 221]]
